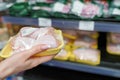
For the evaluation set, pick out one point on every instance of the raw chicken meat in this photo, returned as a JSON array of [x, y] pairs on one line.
[[87, 54], [115, 37], [29, 37], [85, 41]]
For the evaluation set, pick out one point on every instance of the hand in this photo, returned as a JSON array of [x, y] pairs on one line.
[[23, 61]]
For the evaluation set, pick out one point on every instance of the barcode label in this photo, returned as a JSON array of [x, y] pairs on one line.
[[86, 25], [44, 22]]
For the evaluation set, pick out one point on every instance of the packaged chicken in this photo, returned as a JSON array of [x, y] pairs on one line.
[[113, 44], [105, 4], [67, 41], [61, 9], [85, 41], [86, 9], [87, 56], [115, 37], [63, 55], [29, 37], [89, 33], [71, 34], [113, 49]]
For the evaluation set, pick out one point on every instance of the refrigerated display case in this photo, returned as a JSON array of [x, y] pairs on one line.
[[110, 64]]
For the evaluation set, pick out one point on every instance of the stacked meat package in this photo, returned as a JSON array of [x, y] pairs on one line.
[[113, 43], [80, 46], [69, 36]]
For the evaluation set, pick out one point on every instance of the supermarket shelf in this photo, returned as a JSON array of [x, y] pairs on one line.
[[102, 69], [65, 24]]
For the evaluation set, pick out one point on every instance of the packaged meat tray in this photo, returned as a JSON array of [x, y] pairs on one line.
[[115, 37], [92, 34], [63, 55], [29, 37], [113, 49], [66, 51], [113, 43], [85, 41], [70, 34], [86, 55]]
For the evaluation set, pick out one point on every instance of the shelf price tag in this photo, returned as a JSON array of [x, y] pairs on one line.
[[19, 1], [86, 25], [44, 22]]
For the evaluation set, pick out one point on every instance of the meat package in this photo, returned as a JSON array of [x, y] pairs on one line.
[[113, 43], [28, 37]]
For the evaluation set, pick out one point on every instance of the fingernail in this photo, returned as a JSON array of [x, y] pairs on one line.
[[45, 47]]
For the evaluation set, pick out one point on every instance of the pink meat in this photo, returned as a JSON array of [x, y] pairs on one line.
[[115, 37], [85, 41], [86, 54], [22, 43], [47, 39], [28, 37], [90, 10], [115, 48]]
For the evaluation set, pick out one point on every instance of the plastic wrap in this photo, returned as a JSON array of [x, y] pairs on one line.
[[70, 34], [63, 55], [86, 10], [113, 43], [61, 9], [85, 41], [115, 37], [29, 37], [86, 55], [92, 34]]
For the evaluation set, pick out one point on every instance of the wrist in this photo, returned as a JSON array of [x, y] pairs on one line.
[[4, 71]]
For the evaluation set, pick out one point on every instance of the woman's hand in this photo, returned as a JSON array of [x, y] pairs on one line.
[[23, 61]]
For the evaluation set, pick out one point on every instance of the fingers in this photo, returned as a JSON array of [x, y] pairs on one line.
[[39, 60], [34, 50]]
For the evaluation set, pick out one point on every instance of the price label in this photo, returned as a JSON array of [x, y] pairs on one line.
[[86, 25], [19, 1], [44, 22]]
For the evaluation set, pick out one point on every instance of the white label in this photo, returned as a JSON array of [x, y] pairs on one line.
[[86, 25], [116, 11], [44, 22], [19, 1], [77, 7], [58, 7]]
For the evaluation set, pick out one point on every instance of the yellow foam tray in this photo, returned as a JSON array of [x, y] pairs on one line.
[[7, 50]]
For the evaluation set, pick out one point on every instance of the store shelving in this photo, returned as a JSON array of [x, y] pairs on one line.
[[102, 69], [109, 66], [67, 24]]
